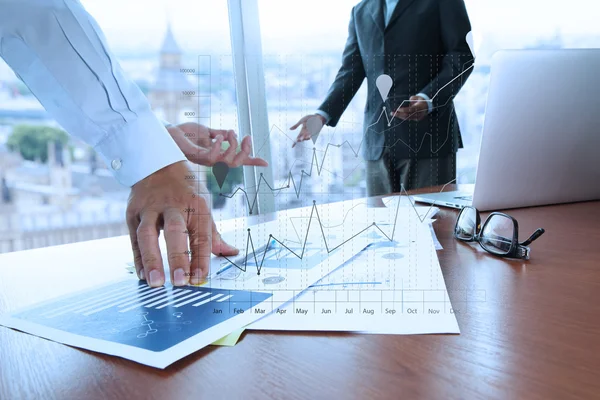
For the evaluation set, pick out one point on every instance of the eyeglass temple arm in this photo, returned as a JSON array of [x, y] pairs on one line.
[[539, 232]]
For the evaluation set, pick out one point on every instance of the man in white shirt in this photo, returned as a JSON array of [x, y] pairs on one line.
[[57, 49]]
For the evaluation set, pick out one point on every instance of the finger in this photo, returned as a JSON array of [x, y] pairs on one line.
[[132, 225], [219, 246], [197, 134], [213, 133], [190, 127], [243, 157], [256, 162], [301, 138], [297, 124], [240, 158], [415, 113], [177, 246], [232, 150], [412, 115], [215, 151], [400, 113], [147, 237], [200, 228], [246, 145]]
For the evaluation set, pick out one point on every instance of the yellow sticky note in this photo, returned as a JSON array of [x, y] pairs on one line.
[[230, 340]]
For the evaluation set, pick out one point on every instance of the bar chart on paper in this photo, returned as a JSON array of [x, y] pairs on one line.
[[158, 326]]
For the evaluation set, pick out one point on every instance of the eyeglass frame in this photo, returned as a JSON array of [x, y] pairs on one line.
[[517, 250]]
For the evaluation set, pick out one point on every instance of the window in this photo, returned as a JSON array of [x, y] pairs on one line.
[[282, 62], [302, 45], [179, 54], [181, 51], [513, 24]]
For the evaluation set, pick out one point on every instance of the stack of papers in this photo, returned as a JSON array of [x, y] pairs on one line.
[[343, 268]]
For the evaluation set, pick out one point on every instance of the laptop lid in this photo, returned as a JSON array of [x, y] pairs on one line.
[[541, 134]]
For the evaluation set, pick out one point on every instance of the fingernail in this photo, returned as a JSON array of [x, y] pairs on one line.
[[141, 274], [197, 277], [156, 278], [179, 277]]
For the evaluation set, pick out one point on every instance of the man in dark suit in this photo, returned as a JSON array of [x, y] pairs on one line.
[[410, 136]]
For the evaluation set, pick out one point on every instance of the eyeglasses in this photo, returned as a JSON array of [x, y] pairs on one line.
[[498, 235]]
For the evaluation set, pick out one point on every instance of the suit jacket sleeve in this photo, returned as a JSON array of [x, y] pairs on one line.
[[348, 79], [458, 58]]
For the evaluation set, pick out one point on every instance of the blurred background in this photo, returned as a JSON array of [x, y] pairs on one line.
[[54, 190]]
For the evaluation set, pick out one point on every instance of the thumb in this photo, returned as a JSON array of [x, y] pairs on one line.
[[219, 246], [301, 122]]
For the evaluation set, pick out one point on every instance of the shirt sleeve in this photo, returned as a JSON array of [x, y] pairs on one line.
[[58, 50]]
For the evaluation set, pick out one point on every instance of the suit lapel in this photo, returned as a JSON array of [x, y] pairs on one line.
[[376, 11], [398, 11]]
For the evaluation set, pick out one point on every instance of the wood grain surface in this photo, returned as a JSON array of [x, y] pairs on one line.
[[529, 329]]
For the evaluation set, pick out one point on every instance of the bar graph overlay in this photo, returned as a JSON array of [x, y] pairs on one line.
[[131, 312]]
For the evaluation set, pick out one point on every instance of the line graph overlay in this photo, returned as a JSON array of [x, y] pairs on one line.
[[250, 249]]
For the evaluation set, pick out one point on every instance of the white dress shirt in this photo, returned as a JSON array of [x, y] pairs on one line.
[[389, 7], [58, 50]]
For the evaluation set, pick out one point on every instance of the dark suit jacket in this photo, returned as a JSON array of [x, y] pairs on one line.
[[424, 50]]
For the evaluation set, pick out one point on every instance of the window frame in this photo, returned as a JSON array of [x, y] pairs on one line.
[[246, 44]]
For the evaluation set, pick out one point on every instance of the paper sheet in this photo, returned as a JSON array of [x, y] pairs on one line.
[[436, 242], [393, 287], [158, 326]]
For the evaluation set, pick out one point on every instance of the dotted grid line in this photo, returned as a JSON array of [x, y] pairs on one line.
[[286, 62], [437, 130], [343, 98]]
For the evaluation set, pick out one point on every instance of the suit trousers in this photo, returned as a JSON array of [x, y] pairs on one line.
[[388, 174]]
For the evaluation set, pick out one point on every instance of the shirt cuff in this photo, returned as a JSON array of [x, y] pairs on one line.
[[324, 115], [138, 149], [428, 100]]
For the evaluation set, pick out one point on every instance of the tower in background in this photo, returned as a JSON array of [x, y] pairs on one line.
[[165, 95]]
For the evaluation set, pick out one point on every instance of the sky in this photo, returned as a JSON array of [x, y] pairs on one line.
[[290, 26], [315, 26]]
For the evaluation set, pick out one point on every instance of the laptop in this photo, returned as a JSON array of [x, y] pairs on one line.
[[540, 143]]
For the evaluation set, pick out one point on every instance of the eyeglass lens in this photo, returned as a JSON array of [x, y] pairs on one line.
[[497, 234], [466, 225]]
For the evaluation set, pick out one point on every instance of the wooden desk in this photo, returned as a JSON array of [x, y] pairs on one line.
[[535, 334]]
